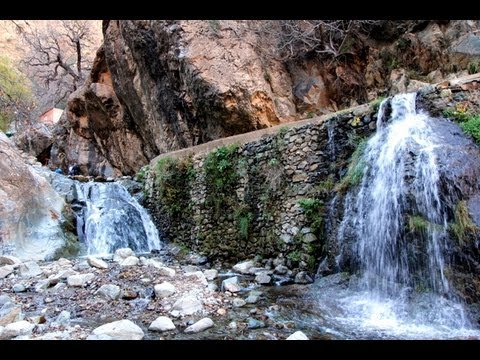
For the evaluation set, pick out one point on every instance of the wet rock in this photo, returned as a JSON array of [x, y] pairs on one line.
[[9, 260], [6, 270], [210, 274], [263, 279], [255, 324], [117, 330], [238, 302], [164, 290], [200, 325], [162, 323], [200, 276], [303, 278], [109, 291], [130, 261], [298, 335], [187, 305], [80, 280], [30, 269], [18, 328], [122, 254], [9, 313], [97, 263], [243, 267], [18, 288], [231, 284]]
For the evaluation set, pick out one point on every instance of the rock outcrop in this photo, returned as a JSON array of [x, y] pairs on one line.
[[31, 212], [158, 86]]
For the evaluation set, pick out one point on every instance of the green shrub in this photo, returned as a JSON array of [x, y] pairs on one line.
[[221, 176], [313, 209], [243, 218], [471, 126]]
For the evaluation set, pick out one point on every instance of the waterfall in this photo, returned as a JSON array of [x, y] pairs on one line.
[[394, 230], [111, 218]]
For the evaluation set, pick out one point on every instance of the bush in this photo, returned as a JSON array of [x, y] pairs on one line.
[[472, 127]]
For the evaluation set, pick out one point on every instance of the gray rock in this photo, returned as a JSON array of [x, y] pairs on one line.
[[63, 318], [198, 275], [96, 262], [238, 302], [190, 269], [210, 274], [19, 328], [263, 279], [196, 259], [231, 284], [4, 299], [252, 299], [6, 270], [286, 238], [200, 325], [109, 291], [130, 261], [122, 254], [303, 278], [44, 284], [80, 280], [30, 269], [166, 271], [281, 270], [243, 267], [162, 323], [18, 288], [212, 287], [81, 266], [309, 238], [58, 288], [187, 305], [298, 335], [254, 323], [118, 330], [164, 290]]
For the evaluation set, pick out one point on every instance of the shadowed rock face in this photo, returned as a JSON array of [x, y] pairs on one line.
[[30, 210]]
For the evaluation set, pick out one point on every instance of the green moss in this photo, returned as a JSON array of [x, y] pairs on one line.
[[463, 228], [375, 104], [295, 256], [355, 169], [172, 180], [417, 223], [283, 130], [221, 177], [140, 176]]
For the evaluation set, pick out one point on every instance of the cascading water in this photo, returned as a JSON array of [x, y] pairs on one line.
[[401, 289], [111, 218]]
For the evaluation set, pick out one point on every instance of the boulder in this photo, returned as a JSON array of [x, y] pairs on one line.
[[162, 323], [117, 330]]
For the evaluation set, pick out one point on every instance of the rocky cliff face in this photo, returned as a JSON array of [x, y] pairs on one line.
[[31, 212], [159, 86]]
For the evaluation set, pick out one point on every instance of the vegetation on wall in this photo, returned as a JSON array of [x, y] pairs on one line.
[[468, 119], [221, 177], [172, 180], [463, 227], [355, 169]]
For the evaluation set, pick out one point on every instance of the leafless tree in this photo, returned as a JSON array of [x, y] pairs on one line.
[[58, 58], [331, 38]]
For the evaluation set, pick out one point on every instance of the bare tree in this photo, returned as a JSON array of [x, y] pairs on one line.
[[331, 38], [58, 58]]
